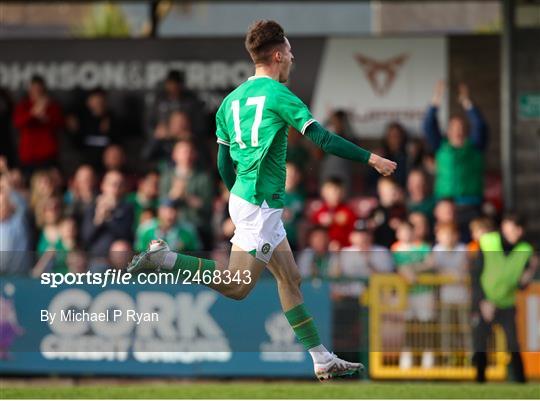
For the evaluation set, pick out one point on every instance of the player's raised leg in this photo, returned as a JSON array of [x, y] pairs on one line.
[[234, 281], [326, 364]]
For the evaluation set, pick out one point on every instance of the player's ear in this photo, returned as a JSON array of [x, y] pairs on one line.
[[278, 56]]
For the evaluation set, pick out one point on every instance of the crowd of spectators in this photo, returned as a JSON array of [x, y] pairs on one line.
[[344, 221], [119, 200]]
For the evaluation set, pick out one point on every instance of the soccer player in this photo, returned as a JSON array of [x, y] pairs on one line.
[[252, 125]]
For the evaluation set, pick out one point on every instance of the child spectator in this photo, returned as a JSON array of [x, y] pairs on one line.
[[335, 214], [293, 204], [478, 227], [450, 259], [358, 261], [77, 261], [421, 228], [41, 189], [54, 254], [181, 237], [445, 211], [410, 257], [146, 196], [49, 238], [419, 197], [314, 261], [390, 211]]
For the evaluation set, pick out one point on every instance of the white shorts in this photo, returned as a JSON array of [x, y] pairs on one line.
[[257, 228]]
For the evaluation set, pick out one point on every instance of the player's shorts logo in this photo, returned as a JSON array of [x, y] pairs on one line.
[[265, 248]]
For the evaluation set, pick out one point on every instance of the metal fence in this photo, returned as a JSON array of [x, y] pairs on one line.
[[424, 331]]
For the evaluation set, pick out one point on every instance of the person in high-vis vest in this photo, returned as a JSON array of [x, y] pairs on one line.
[[505, 264]]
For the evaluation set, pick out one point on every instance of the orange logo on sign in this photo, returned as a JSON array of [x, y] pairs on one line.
[[381, 74]]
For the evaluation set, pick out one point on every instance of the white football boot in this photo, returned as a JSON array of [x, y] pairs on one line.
[[335, 368], [151, 259]]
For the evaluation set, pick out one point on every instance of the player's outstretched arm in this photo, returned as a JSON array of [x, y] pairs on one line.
[[225, 166], [336, 145]]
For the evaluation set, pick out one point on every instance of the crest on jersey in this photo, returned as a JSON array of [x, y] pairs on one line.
[[265, 248], [381, 74]]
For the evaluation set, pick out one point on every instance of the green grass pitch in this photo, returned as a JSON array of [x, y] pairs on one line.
[[261, 390]]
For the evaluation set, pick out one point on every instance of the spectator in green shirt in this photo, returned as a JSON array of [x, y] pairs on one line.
[[419, 197], [314, 261], [57, 240], [181, 236], [146, 196]]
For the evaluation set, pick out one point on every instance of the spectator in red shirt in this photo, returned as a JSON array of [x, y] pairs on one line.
[[335, 214], [38, 119]]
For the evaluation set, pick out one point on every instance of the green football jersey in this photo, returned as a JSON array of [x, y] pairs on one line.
[[254, 120]]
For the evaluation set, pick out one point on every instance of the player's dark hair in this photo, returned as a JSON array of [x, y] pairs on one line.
[[262, 38]]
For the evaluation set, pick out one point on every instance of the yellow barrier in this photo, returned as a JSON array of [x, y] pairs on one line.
[[413, 335]]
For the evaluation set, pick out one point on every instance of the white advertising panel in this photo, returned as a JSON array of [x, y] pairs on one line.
[[379, 80]]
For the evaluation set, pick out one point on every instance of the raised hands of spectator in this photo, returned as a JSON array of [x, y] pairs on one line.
[[464, 96], [383, 166], [438, 93], [104, 207], [40, 107]]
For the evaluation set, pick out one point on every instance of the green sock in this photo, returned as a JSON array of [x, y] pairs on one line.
[[303, 325], [193, 264]]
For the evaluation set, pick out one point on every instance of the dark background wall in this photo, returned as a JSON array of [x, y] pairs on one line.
[[527, 133], [475, 60]]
